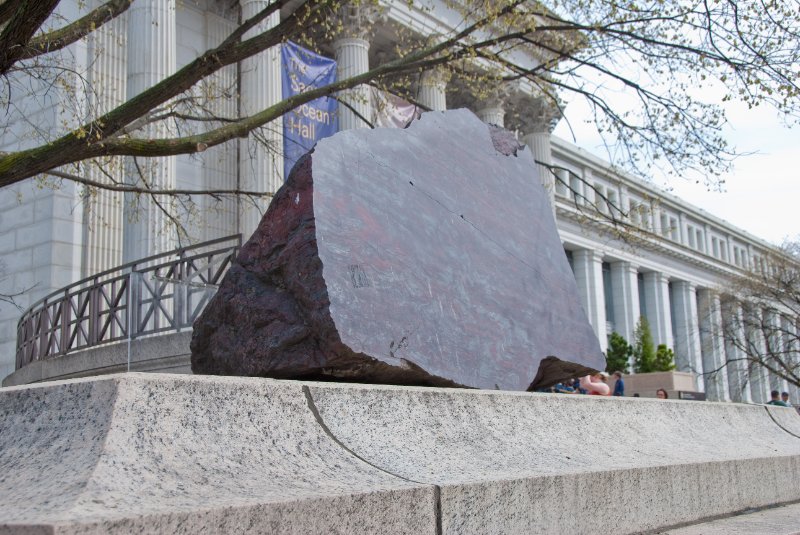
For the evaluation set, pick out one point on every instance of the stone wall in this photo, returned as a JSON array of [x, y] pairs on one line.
[[194, 454]]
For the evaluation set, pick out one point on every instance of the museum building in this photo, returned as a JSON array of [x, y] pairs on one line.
[[668, 265]]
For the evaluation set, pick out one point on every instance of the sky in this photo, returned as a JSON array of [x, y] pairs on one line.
[[762, 193]]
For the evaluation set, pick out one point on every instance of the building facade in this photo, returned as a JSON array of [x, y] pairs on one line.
[[668, 264]]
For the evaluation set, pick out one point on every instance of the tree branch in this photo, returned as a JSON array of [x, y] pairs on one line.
[[126, 188], [27, 18], [63, 37]]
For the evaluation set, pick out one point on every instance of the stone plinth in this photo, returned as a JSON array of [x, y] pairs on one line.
[[182, 454], [646, 384]]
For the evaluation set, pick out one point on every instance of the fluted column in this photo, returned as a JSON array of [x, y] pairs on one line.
[[536, 125], [656, 301], [775, 349], [260, 155], [432, 88], [625, 286], [103, 218], [754, 337], [539, 143], [688, 355], [738, 380], [713, 347], [588, 266], [494, 113], [151, 58], [790, 327], [351, 48]]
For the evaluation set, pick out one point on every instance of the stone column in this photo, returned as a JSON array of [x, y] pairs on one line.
[[151, 58], [352, 58], [688, 355], [588, 266], [261, 155], [625, 286], [738, 380], [432, 89], [493, 113], [537, 124], [656, 300], [713, 347], [790, 327], [775, 343]]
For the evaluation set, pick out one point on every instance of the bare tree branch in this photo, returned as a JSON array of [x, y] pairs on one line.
[[27, 18], [63, 37]]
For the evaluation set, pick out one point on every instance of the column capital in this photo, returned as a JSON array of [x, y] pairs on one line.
[[437, 76], [250, 8], [686, 286], [432, 88], [539, 117], [356, 21], [626, 265], [656, 276], [589, 254]]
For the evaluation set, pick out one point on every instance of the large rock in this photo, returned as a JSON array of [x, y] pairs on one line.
[[421, 256]]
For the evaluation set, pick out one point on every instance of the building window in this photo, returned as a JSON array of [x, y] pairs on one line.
[[613, 206], [714, 247], [599, 193], [561, 183], [701, 243], [691, 235], [576, 192], [673, 229], [634, 214], [644, 212]]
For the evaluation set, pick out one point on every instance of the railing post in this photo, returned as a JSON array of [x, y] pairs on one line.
[[179, 296], [64, 323], [131, 303], [44, 313]]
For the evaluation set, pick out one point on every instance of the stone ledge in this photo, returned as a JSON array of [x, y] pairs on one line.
[[197, 454], [166, 353]]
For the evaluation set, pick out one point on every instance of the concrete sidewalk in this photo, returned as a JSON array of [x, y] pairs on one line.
[[772, 521]]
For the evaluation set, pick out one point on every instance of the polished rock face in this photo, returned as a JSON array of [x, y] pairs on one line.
[[420, 256]]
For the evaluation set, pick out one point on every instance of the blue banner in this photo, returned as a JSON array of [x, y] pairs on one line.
[[302, 127]]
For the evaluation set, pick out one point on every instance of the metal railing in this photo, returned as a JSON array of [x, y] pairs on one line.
[[153, 295]]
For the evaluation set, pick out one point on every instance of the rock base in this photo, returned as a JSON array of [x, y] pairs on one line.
[[179, 454]]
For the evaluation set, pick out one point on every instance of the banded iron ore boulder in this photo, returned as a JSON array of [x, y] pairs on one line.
[[424, 256]]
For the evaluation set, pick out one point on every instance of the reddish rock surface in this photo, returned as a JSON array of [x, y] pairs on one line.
[[421, 256]]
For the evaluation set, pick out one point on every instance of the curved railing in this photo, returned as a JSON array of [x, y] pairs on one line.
[[157, 294]]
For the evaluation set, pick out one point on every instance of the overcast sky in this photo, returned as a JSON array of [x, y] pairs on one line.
[[761, 195]]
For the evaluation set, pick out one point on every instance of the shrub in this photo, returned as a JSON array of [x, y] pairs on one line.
[[665, 359], [618, 353], [644, 351]]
